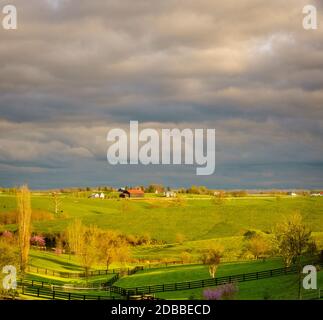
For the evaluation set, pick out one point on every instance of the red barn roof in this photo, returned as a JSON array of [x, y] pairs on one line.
[[135, 191]]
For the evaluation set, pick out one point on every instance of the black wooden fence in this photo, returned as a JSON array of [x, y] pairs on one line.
[[93, 273], [33, 285], [47, 293], [178, 286]]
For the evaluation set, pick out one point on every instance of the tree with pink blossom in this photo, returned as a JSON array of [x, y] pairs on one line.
[[38, 241], [7, 235]]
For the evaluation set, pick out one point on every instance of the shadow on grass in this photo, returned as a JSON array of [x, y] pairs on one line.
[[66, 265]]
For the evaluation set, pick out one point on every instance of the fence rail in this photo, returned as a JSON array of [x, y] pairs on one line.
[[178, 286], [60, 295], [92, 273], [144, 290]]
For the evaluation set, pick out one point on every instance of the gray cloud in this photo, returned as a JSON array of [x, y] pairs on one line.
[[73, 69]]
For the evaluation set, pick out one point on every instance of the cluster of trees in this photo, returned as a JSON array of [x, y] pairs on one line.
[[292, 240], [89, 243], [92, 245], [84, 189], [155, 187], [11, 217]]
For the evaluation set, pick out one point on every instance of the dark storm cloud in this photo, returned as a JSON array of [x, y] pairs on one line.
[[247, 68]]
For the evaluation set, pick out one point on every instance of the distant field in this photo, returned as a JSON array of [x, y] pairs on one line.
[[163, 219]]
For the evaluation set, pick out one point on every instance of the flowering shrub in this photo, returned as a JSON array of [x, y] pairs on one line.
[[7, 234], [38, 241], [223, 292]]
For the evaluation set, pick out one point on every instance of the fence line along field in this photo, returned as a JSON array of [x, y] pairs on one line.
[[164, 240]]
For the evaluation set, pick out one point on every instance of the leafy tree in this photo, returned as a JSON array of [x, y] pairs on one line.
[[75, 236], [24, 225], [258, 246], [180, 238], [38, 241], [293, 240], [112, 248], [186, 257], [88, 254], [212, 258], [8, 256]]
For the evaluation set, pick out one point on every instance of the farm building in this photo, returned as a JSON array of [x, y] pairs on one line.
[[317, 194], [132, 193], [97, 195], [170, 194]]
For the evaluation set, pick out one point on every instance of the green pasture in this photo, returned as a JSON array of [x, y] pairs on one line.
[[163, 219], [192, 272], [275, 288]]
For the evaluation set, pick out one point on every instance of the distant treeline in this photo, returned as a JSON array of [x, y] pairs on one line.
[[159, 188]]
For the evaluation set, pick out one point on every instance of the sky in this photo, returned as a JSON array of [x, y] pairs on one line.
[[73, 70]]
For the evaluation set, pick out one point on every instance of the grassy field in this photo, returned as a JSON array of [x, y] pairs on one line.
[[201, 221], [163, 219], [282, 287], [277, 288], [193, 272]]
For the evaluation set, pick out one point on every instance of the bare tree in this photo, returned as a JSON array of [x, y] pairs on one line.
[[56, 202], [24, 225]]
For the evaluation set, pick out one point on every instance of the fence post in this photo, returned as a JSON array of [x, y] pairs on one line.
[[53, 294], [69, 296], [37, 292]]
